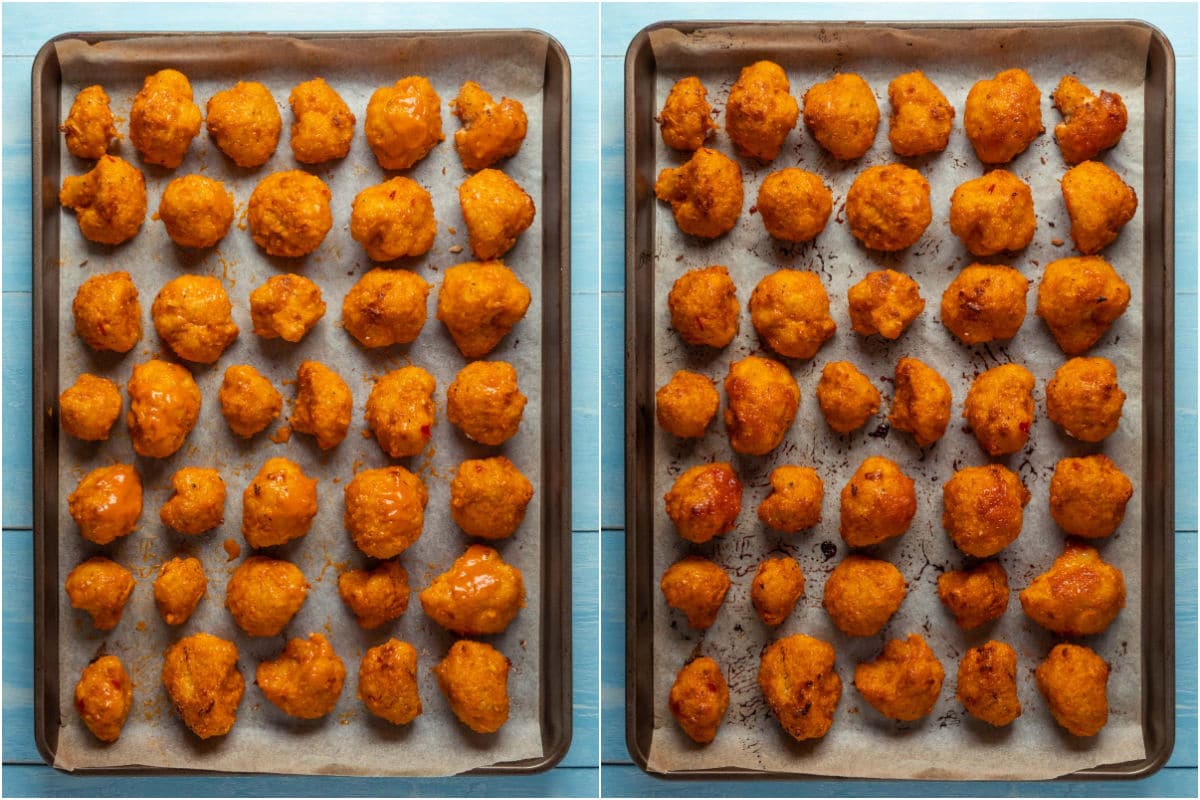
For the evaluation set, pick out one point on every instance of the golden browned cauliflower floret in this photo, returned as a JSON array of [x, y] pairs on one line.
[[862, 594], [201, 676], [485, 403], [1099, 204], [474, 679], [1079, 595], [164, 404], [921, 403], [760, 111], [777, 586], [987, 683], [404, 122], [91, 406], [164, 120], [686, 404], [263, 594], [193, 315], [686, 116], [705, 501], [999, 408], [888, 207], [993, 214], [921, 116], [245, 123], [884, 302], [478, 595], [249, 402], [306, 680], [289, 213], [846, 396], [479, 303], [1003, 116], [1088, 496], [101, 587], [103, 697], [385, 510], [798, 678], [983, 509], [974, 596], [198, 502], [324, 125], [286, 307], [375, 596], [1083, 398], [1080, 298], [842, 115], [697, 587], [762, 398], [704, 307], [107, 503], [387, 682], [89, 127], [904, 682], [1074, 681], [196, 211], [488, 497], [496, 210], [385, 307], [278, 505], [795, 499], [107, 313], [705, 193], [400, 411], [794, 205], [878, 503], [393, 220], [323, 404], [178, 589], [491, 131], [109, 201], [985, 302], [1091, 123], [790, 310], [699, 699]]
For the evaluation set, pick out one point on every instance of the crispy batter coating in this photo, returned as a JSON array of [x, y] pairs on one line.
[[878, 503], [496, 210], [686, 404], [1079, 595], [286, 307], [1079, 299], [762, 398], [884, 302], [107, 313], [974, 596], [306, 680], [478, 595], [197, 503], [1091, 123], [1083, 398], [1099, 204], [393, 220], [987, 683], [888, 207], [903, 683], [245, 123], [289, 213], [1003, 116], [103, 697], [983, 509], [375, 596], [193, 315], [704, 306], [705, 193], [323, 404], [387, 682], [474, 679], [196, 211], [263, 594], [101, 587], [178, 589], [109, 201], [993, 213], [795, 499], [164, 404], [89, 127], [921, 403], [90, 407], [862, 594], [999, 408], [385, 307], [385, 510], [699, 699], [794, 205], [324, 124], [479, 303], [278, 505], [164, 120], [842, 115], [790, 310], [846, 396], [485, 403], [686, 116], [400, 411], [705, 501], [201, 676], [985, 302], [1088, 496], [760, 111], [921, 119], [697, 587], [799, 680], [249, 402], [488, 497], [404, 122], [107, 503], [491, 131], [777, 586], [1074, 681]]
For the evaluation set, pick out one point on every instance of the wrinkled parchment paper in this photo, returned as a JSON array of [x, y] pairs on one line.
[[349, 740], [947, 744]]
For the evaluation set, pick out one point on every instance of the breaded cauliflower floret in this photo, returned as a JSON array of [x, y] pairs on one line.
[[491, 131], [762, 398], [922, 117], [697, 587], [1099, 204], [888, 207], [760, 111], [89, 127], [686, 116], [705, 193], [1091, 123], [1079, 299], [109, 202], [705, 502], [842, 115], [1003, 116], [324, 125]]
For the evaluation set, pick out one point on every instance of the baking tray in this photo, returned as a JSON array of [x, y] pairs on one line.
[[554, 705], [641, 293]]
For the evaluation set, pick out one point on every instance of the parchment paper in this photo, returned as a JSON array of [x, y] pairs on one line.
[[349, 740], [947, 744]]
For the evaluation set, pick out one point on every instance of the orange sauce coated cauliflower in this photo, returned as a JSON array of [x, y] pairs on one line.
[[474, 679], [985, 302], [987, 683], [1091, 122], [485, 403], [278, 505], [1074, 681], [248, 400], [89, 126], [705, 501], [306, 680], [993, 214], [178, 589], [496, 210], [323, 404], [1088, 496], [387, 682], [201, 676], [404, 122], [794, 205], [376, 596], [286, 307], [109, 202], [884, 302], [193, 315], [686, 404], [1084, 399], [847, 398], [1079, 299], [491, 131], [1080, 595], [790, 310], [488, 497], [699, 699], [197, 503], [904, 682], [196, 211], [888, 207], [686, 117], [90, 407], [1099, 204], [164, 120], [777, 586], [107, 313], [478, 595], [479, 303], [263, 594], [289, 213], [400, 411], [697, 587], [164, 404], [760, 111], [393, 220], [878, 503], [921, 403], [1003, 116], [324, 124], [762, 398], [704, 307], [798, 678], [983, 509], [107, 503], [795, 499], [862, 594], [705, 193], [245, 123], [999, 408], [386, 307], [101, 587], [385, 510], [842, 115], [974, 596], [103, 697], [922, 117]]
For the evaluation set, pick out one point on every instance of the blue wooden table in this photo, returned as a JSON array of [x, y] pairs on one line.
[[619, 777]]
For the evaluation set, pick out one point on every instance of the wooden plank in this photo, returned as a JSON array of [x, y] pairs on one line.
[[17, 179], [18, 398], [585, 412], [612, 403]]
